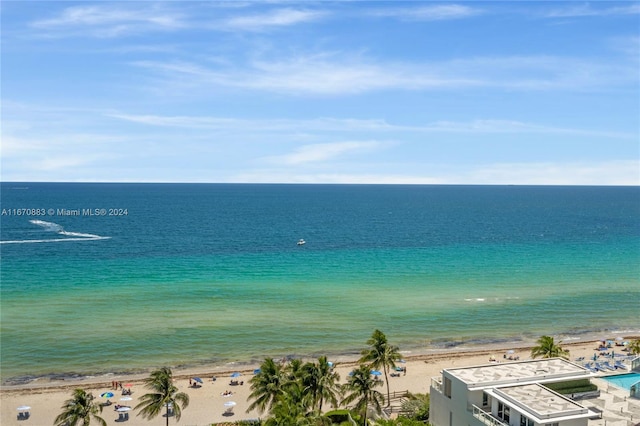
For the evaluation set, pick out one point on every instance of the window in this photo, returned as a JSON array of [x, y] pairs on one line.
[[447, 387], [525, 421], [503, 412], [485, 400]]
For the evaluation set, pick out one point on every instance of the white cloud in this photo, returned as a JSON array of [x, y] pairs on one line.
[[333, 74], [587, 10], [625, 172], [321, 152], [109, 20], [604, 173], [357, 125], [429, 13], [275, 18]]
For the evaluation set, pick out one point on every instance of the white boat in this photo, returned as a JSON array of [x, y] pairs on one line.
[[301, 242]]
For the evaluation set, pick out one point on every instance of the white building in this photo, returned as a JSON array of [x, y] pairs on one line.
[[507, 394]]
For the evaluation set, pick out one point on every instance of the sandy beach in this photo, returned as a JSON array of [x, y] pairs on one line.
[[207, 401]]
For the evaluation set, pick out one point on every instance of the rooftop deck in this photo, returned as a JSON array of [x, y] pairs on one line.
[[519, 372]]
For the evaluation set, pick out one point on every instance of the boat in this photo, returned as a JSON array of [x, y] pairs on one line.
[[301, 242]]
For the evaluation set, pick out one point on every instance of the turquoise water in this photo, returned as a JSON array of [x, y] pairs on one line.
[[624, 381], [210, 274]]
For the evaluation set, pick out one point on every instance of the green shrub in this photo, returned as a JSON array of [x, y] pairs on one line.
[[572, 386]]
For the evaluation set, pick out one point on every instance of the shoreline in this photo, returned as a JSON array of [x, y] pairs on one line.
[[449, 351], [207, 401]]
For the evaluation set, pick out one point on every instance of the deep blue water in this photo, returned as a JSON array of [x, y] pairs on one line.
[[206, 273]]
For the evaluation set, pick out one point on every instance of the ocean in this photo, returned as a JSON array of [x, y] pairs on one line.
[[121, 278]]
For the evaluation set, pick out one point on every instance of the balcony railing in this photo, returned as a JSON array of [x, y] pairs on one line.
[[436, 384], [486, 418]]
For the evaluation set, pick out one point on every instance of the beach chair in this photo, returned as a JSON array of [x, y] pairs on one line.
[[608, 366], [600, 367], [620, 365]]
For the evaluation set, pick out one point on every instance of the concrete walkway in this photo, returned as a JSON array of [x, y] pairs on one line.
[[618, 409]]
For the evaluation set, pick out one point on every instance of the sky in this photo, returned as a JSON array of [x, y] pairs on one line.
[[397, 92]]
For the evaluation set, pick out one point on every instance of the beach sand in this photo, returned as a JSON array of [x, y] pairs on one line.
[[207, 403]]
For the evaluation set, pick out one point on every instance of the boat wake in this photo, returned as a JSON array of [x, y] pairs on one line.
[[58, 229]]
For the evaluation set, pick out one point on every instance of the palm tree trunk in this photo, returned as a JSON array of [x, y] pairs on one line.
[[386, 379]]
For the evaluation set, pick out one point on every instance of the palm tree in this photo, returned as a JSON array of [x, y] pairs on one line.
[[79, 410], [164, 394], [547, 348], [320, 382], [267, 386], [360, 388], [381, 354], [290, 408], [634, 347]]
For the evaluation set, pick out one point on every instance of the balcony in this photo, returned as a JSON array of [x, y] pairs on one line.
[[436, 384], [486, 418]]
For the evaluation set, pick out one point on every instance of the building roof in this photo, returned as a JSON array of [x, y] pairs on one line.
[[539, 403], [518, 373]]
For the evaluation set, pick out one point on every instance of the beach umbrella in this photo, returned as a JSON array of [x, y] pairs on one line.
[[197, 379], [329, 363], [511, 351], [126, 398], [128, 385], [257, 371], [107, 395], [376, 373], [230, 404], [24, 408], [236, 374], [123, 409]]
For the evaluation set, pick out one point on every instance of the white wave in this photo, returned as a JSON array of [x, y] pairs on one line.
[[58, 229]]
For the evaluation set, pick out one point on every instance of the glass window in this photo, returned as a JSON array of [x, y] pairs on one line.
[[485, 399], [447, 387]]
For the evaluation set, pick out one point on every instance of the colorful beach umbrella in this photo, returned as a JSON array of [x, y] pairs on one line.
[[107, 395]]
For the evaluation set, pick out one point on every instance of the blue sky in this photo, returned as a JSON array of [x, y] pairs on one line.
[[322, 92]]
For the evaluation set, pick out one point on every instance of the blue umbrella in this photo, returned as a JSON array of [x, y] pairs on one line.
[[376, 373], [197, 379], [236, 374], [257, 371], [107, 395]]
